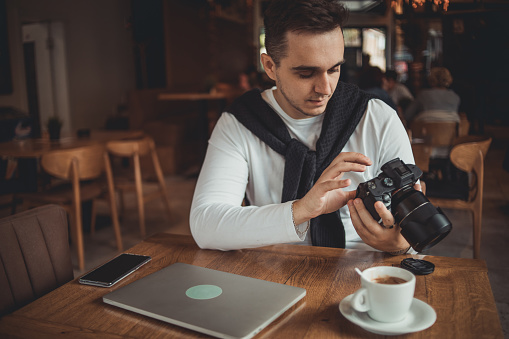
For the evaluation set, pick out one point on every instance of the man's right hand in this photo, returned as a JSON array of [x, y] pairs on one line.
[[327, 195]]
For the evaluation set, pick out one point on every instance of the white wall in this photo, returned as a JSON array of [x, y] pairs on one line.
[[51, 68], [98, 51]]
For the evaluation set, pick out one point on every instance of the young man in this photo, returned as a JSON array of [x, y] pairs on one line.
[[298, 151]]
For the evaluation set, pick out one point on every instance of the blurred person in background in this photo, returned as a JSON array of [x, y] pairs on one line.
[[373, 81], [399, 93], [435, 104]]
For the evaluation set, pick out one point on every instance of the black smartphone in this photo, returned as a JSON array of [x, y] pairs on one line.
[[114, 270]]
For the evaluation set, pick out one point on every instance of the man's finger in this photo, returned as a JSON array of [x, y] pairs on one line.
[[417, 187], [364, 216], [350, 195], [352, 157], [354, 216], [330, 185], [336, 170], [385, 214]]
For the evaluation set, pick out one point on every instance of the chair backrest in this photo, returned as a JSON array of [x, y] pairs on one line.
[[467, 150], [127, 148], [468, 155], [88, 162], [422, 153], [438, 133], [34, 255]]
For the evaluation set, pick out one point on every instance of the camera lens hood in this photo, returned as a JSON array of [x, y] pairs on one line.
[[425, 227], [422, 224]]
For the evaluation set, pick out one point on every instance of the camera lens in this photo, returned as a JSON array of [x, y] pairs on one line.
[[422, 224]]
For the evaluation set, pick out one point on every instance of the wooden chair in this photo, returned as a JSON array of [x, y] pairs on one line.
[[439, 138], [436, 134], [422, 154], [79, 166], [467, 155], [135, 149], [35, 255]]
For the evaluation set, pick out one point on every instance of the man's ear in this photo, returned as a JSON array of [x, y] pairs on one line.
[[269, 66]]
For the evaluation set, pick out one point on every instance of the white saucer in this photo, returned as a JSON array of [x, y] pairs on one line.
[[421, 317]]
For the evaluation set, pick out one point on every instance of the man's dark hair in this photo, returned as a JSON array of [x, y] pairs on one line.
[[391, 74], [310, 16]]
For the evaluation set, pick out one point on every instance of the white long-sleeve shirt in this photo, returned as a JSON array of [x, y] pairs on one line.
[[239, 164]]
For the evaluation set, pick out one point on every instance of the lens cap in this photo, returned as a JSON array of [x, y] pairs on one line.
[[417, 266]]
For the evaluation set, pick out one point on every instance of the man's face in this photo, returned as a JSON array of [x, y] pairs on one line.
[[307, 77]]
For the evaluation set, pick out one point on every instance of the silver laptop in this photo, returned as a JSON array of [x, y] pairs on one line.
[[216, 303]]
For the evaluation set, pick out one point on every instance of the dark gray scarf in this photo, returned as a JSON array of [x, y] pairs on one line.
[[302, 166]]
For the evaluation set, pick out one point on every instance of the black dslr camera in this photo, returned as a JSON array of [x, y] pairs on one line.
[[422, 224]]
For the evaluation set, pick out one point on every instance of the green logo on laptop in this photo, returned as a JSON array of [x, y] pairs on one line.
[[204, 292]]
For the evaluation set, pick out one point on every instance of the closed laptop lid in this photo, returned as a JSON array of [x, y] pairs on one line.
[[212, 302]]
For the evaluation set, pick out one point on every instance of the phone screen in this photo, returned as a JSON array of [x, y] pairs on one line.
[[114, 270]]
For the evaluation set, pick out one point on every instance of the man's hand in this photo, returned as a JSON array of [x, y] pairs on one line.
[[384, 238], [326, 195], [388, 239]]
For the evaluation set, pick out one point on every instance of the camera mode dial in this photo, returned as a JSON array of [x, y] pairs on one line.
[[388, 182]]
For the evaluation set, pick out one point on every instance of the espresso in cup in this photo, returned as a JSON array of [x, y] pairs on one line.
[[389, 280]]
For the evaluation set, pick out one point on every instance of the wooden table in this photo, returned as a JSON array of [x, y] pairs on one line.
[[35, 148], [458, 290]]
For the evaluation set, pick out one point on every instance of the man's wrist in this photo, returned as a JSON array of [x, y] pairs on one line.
[[299, 213], [401, 251], [300, 233]]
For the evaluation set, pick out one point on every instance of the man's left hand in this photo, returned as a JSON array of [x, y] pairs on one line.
[[386, 237]]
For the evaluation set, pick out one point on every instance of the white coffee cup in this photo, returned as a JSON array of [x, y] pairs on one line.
[[385, 302]]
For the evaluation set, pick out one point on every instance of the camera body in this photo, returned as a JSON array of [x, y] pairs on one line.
[[422, 224], [395, 175]]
